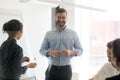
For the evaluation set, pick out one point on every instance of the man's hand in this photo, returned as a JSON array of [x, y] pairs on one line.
[[54, 53], [68, 52]]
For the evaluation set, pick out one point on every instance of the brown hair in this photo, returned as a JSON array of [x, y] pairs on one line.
[[109, 44], [61, 10], [116, 50]]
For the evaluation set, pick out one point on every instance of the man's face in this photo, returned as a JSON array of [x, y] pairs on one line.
[[109, 54], [61, 19]]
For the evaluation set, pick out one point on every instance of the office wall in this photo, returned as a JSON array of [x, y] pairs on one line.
[[37, 20]]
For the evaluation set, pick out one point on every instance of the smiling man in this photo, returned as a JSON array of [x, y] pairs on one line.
[[59, 46]]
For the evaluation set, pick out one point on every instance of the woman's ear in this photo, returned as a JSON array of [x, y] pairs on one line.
[[19, 34]]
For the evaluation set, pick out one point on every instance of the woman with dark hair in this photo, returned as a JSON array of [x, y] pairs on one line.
[[107, 70], [115, 58], [11, 54]]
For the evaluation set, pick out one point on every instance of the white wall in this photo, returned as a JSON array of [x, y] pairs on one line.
[[36, 20]]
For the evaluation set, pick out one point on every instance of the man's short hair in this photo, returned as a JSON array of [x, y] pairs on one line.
[[60, 10]]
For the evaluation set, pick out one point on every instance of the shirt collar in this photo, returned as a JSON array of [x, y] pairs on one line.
[[65, 28]]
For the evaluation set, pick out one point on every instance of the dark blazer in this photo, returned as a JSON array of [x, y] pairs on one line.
[[11, 55], [117, 77]]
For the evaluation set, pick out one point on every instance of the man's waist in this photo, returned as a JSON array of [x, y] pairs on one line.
[[60, 66]]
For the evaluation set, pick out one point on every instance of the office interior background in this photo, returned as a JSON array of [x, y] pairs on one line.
[[95, 21]]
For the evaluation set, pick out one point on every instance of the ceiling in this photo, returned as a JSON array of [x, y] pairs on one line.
[[84, 4], [71, 3]]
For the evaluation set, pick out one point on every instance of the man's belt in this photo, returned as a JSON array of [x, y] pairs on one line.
[[65, 66]]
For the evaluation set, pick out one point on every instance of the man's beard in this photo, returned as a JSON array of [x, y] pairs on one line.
[[60, 23]]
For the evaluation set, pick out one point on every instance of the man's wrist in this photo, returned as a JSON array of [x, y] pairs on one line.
[[50, 53], [73, 53]]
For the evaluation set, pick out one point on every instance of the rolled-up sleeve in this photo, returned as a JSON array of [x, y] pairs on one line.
[[77, 47], [44, 47]]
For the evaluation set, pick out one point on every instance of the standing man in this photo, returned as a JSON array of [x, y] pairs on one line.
[[59, 46]]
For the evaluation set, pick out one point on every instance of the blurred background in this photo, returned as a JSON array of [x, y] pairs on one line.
[[95, 21]]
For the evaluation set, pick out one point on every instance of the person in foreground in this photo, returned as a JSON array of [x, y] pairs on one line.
[[11, 54], [107, 70], [59, 46], [115, 58]]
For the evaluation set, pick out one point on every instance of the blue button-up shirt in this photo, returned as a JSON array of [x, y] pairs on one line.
[[60, 40]]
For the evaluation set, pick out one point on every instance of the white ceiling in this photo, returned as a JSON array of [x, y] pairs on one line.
[[110, 7], [71, 3]]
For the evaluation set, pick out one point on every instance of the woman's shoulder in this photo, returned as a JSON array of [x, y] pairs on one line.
[[13, 45]]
